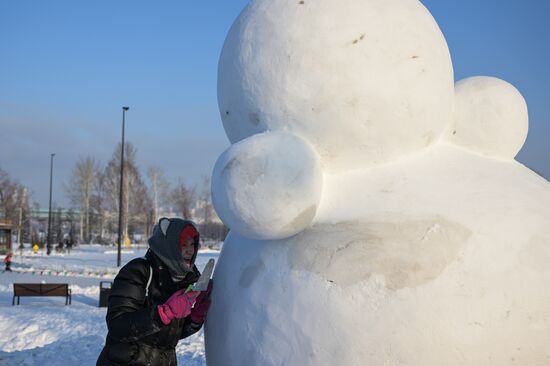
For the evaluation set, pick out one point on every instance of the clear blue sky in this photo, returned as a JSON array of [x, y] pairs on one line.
[[67, 67]]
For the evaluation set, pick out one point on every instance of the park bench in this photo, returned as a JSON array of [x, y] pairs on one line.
[[41, 289]]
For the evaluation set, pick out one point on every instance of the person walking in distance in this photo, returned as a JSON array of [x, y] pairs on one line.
[[7, 261]]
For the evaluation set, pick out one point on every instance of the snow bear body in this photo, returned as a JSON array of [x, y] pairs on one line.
[[415, 239]]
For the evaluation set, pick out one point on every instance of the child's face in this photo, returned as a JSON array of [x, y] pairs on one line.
[[188, 250]]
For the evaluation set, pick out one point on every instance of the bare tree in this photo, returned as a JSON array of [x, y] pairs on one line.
[[159, 189], [140, 208], [70, 220], [135, 199], [9, 191], [80, 190], [211, 227], [14, 202], [205, 208], [182, 199], [57, 225], [98, 204]]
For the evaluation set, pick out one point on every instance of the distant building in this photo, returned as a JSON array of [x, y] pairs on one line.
[[5, 236]]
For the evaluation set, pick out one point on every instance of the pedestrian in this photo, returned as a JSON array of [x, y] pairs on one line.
[[150, 307], [59, 247], [7, 261], [68, 244]]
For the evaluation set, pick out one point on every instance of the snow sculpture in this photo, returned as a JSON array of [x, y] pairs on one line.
[[377, 214]]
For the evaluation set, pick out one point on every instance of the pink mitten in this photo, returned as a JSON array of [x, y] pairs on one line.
[[178, 306], [198, 314]]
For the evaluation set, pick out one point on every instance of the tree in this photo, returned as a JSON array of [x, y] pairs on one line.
[[182, 199], [204, 204], [71, 219], [98, 205], [80, 190], [14, 202], [159, 189], [57, 225], [140, 208], [134, 209], [210, 225]]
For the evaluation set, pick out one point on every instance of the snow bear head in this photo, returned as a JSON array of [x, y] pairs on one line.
[[362, 81], [307, 87]]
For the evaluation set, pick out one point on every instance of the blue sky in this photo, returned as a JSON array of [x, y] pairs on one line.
[[67, 67]]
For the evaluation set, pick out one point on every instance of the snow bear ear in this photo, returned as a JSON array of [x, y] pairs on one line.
[[491, 117], [164, 224]]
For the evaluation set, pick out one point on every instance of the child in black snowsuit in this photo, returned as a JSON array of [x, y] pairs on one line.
[[150, 309]]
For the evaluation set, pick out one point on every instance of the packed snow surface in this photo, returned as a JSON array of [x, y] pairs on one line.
[[43, 331]]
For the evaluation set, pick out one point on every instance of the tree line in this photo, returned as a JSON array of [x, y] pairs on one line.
[[93, 192], [14, 202]]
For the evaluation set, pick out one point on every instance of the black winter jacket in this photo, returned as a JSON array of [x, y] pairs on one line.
[[136, 334]]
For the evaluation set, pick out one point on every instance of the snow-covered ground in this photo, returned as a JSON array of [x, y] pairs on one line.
[[43, 331]]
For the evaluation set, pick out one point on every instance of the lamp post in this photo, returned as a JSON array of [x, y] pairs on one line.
[[49, 243], [124, 109]]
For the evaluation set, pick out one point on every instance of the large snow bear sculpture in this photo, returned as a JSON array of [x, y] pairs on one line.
[[377, 214]]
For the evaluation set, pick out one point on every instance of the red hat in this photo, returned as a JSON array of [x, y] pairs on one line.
[[188, 232]]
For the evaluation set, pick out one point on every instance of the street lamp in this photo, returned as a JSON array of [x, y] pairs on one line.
[[49, 243], [124, 109]]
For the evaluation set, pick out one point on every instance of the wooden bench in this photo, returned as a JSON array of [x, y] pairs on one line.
[[41, 289]]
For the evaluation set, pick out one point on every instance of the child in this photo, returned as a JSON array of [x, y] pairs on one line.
[[150, 309], [7, 261]]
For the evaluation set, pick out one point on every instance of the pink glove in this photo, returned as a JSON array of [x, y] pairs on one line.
[[198, 314], [178, 306]]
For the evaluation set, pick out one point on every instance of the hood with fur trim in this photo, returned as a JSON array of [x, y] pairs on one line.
[[164, 242]]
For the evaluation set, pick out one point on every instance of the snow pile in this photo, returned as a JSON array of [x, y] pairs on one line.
[[427, 244]]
